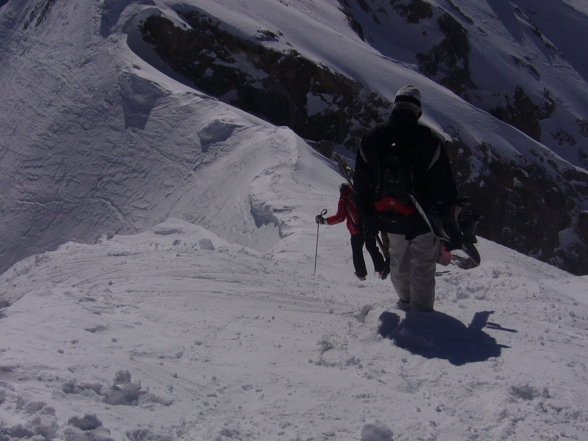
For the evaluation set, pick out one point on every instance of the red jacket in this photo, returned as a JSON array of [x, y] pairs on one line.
[[346, 210]]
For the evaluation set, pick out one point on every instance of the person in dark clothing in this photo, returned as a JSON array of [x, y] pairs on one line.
[[399, 160], [346, 211]]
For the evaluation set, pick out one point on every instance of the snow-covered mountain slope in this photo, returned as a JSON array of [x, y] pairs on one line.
[[98, 135], [97, 141], [211, 323], [484, 51]]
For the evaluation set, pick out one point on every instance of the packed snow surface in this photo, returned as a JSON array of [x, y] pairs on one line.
[[176, 333]]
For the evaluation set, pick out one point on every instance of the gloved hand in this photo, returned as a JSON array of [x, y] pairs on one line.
[[320, 220]]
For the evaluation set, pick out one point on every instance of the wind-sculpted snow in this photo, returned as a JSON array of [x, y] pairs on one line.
[[139, 97], [123, 148]]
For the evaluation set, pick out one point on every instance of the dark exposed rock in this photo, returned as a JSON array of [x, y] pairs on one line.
[[325, 148], [412, 11], [538, 33], [562, 137], [284, 88], [39, 13], [353, 23], [457, 9], [526, 65], [523, 206], [364, 6], [582, 151], [520, 112], [449, 62], [583, 124]]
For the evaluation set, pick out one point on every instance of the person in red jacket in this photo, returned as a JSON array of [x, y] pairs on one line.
[[346, 211]]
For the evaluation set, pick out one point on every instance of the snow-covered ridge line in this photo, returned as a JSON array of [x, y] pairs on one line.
[[125, 146]]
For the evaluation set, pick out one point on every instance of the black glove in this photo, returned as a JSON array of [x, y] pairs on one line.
[[320, 220], [456, 242]]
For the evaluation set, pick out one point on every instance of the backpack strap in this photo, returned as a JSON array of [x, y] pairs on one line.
[[389, 203]]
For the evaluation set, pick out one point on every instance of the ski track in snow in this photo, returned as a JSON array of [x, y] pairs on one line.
[[222, 342]]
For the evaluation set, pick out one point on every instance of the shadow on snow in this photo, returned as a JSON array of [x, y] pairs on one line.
[[437, 335]]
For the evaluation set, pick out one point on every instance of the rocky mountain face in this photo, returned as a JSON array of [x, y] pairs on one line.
[[526, 203], [284, 88], [447, 59]]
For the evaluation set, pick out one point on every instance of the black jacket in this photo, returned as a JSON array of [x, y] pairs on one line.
[[399, 158]]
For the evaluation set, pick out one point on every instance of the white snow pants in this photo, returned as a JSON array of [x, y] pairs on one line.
[[412, 269]]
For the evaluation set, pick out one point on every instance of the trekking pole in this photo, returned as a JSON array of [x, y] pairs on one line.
[[317, 236]]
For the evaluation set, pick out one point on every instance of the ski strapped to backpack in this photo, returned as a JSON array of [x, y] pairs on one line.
[[464, 225], [343, 168]]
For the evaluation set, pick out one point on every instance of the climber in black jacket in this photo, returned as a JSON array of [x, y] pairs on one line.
[[397, 161]]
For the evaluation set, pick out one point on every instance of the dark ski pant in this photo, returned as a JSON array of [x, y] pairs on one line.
[[357, 243]]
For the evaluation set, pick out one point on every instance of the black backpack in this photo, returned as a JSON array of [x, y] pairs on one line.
[[399, 172]]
